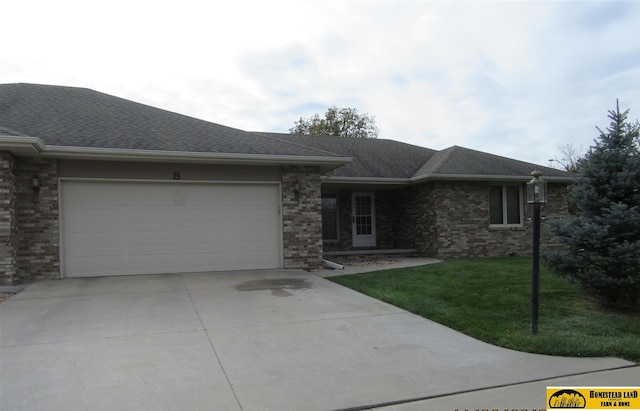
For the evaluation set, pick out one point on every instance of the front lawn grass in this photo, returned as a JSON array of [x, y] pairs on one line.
[[490, 299]]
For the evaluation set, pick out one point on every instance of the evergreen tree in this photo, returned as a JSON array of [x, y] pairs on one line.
[[602, 240]]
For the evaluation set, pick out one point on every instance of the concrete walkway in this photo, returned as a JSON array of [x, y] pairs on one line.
[[259, 340], [378, 266]]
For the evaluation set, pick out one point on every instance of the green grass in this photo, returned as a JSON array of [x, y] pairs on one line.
[[490, 299]]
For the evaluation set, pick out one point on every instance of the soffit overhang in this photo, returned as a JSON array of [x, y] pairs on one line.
[[34, 147]]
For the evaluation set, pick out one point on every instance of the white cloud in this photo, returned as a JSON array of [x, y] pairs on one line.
[[512, 78]]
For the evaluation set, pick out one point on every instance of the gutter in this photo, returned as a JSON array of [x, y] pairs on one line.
[[23, 145], [440, 177], [478, 177], [368, 180], [33, 146]]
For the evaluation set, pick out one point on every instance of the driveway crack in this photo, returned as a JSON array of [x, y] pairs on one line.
[[213, 348]]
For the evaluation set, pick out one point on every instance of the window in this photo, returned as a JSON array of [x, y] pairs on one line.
[[505, 205], [363, 215], [329, 217]]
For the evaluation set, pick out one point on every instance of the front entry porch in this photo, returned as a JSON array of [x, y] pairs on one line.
[[363, 223]]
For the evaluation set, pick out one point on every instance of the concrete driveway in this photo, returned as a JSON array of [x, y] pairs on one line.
[[259, 340]]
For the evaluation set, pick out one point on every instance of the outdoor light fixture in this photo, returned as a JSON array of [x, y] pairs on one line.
[[536, 189], [296, 188], [536, 195], [35, 183]]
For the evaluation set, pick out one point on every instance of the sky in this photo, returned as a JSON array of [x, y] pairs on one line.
[[514, 78]]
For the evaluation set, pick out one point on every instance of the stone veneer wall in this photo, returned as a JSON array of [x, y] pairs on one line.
[[37, 217], [302, 218], [8, 224]]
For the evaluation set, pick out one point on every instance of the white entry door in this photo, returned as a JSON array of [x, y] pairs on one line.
[[363, 218], [124, 228]]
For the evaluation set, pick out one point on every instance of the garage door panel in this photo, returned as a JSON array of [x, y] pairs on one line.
[[87, 244], [250, 219], [96, 265], [153, 195], [255, 247], [93, 219], [201, 261], [204, 218], [250, 236], [151, 263], [203, 242], [145, 242], [116, 228], [149, 219]]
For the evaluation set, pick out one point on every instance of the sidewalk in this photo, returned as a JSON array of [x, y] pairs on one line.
[[357, 268], [520, 396]]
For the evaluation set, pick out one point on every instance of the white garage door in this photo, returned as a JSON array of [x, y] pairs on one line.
[[122, 228]]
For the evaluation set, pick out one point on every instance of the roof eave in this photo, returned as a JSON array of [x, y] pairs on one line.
[[439, 177], [368, 180], [32, 146], [22, 146], [488, 177]]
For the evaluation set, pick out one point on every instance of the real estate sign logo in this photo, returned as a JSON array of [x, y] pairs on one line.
[[593, 398]]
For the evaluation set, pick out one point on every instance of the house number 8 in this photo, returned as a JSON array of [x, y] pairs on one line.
[[176, 175]]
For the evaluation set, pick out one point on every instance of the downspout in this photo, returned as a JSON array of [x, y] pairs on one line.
[[332, 265]]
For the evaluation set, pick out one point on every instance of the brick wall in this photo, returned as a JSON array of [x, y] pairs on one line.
[[386, 212], [8, 224], [462, 222], [415, 219], [302, 218], [37, 237], [556, 207], [449, 219]]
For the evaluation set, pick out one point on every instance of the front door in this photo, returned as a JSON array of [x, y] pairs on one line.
[[363, 219]]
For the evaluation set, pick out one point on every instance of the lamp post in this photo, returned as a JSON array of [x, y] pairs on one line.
[[536, 195]]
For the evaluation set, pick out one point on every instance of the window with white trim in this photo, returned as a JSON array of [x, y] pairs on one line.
[[505, 205]]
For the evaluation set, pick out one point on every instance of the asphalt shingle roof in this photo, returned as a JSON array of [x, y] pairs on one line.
[[462, 161], [79, 117], [371, 157], [394, 159]]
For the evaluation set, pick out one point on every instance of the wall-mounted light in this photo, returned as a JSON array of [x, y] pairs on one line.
[[35, 183], [296, 188]]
